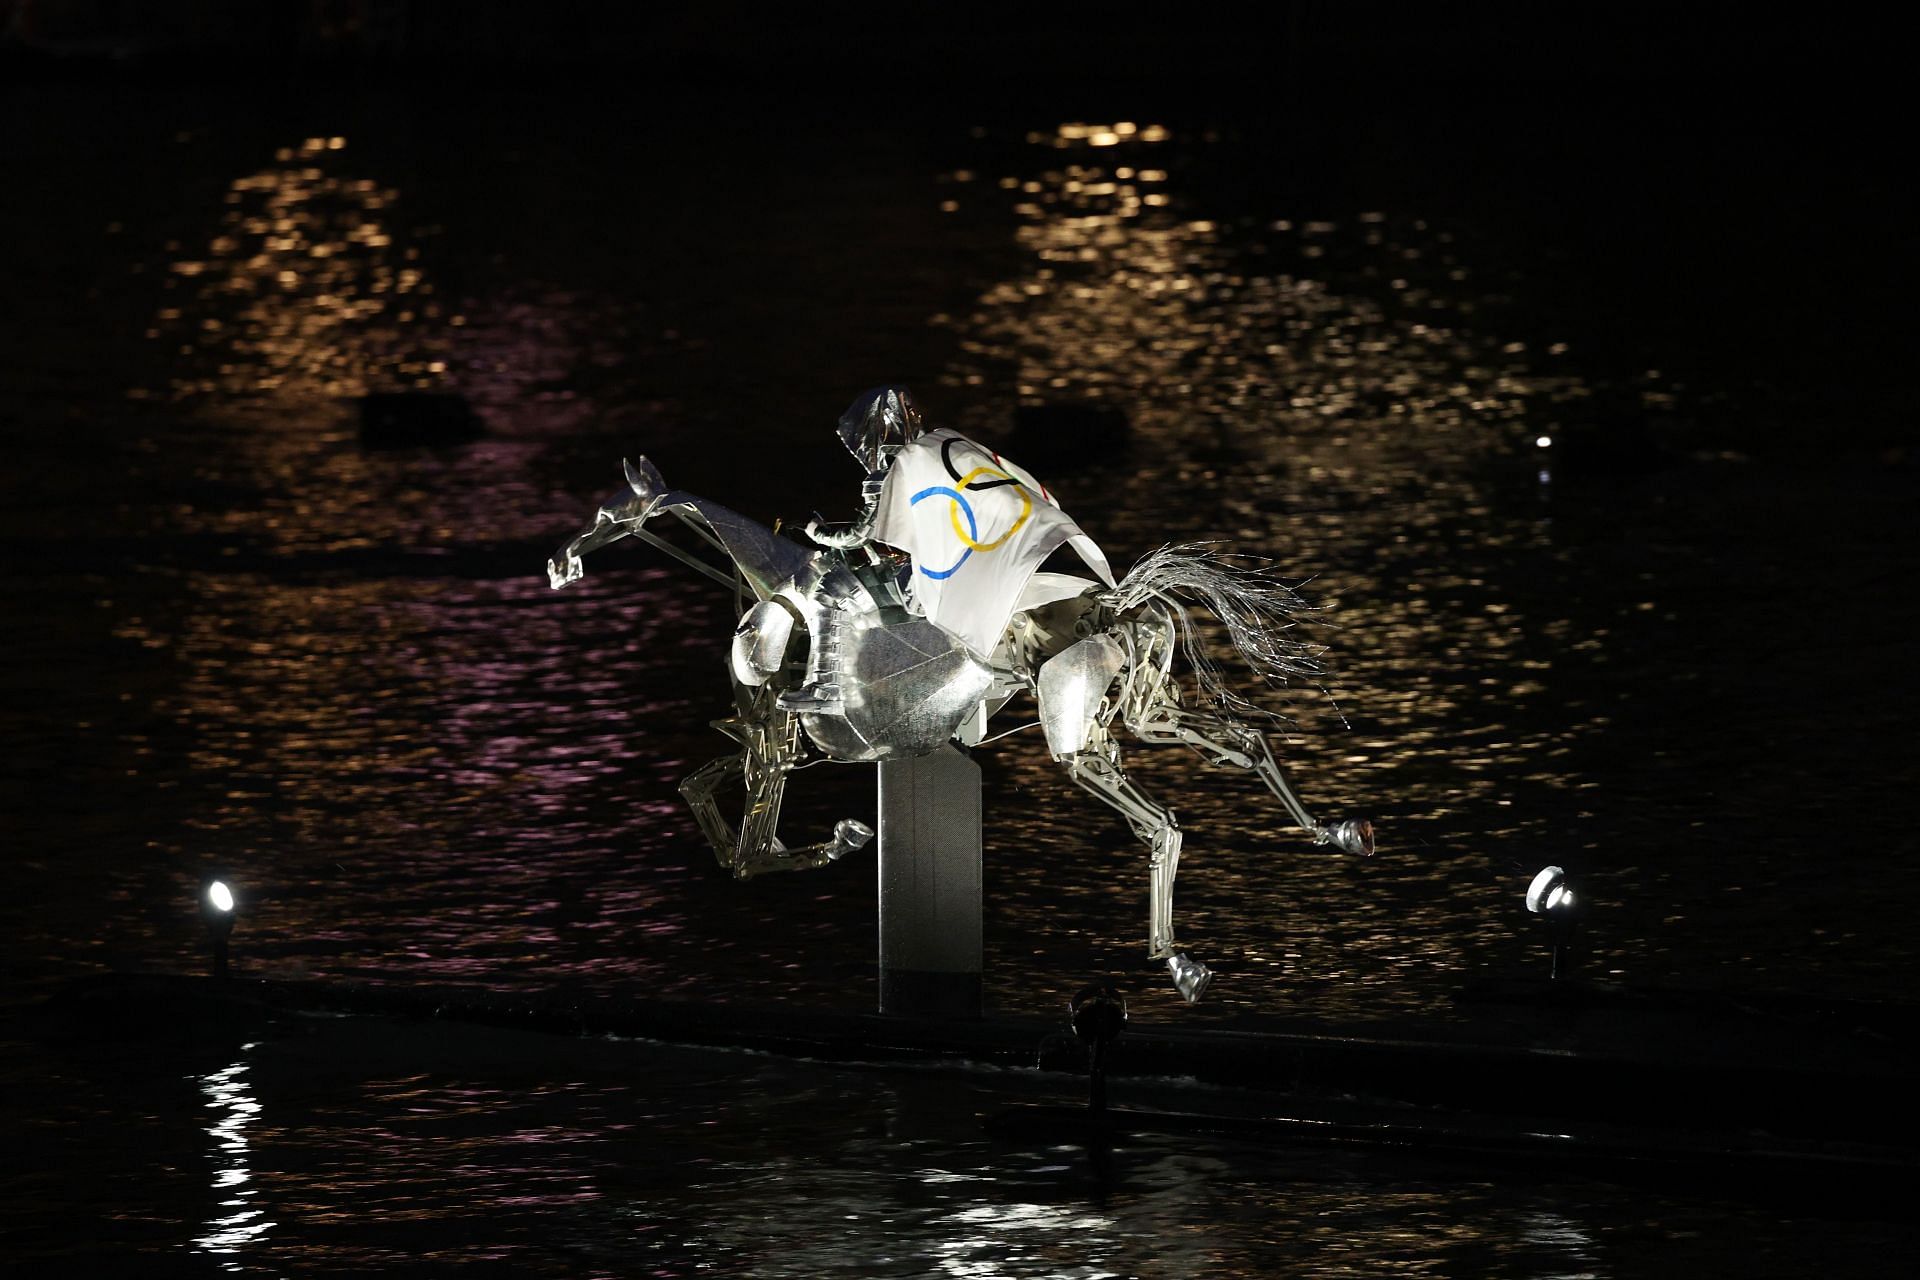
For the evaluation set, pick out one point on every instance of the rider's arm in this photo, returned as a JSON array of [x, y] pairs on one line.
[[860, 532]]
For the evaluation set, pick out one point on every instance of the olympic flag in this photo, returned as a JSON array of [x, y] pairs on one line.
[[976, 527]]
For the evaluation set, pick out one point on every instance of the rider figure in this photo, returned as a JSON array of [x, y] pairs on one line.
[[879, 424]]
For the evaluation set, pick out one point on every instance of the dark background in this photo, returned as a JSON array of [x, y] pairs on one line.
[[1713, 183]]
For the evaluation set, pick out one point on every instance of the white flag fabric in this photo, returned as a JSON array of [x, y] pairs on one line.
[[976, 527]]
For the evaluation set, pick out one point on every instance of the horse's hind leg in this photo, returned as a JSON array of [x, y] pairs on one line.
[[1100, 774], [1075, 711], [1224, 740]]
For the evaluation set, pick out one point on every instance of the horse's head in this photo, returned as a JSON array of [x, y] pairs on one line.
[[617, 517]]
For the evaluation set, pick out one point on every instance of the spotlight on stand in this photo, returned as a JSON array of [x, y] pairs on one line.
[[218, 907], [1097, 1014], [1551, 898]]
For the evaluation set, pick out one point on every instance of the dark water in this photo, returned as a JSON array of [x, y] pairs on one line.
[[1670, 650], [356, 1147]]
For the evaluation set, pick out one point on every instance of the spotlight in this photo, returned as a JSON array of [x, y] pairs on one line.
[[218, 907], [1549, 891], [1551, 898], [1097, 1014], [1543, 442]]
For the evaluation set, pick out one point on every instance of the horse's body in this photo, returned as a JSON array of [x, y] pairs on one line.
[[1089, 654]]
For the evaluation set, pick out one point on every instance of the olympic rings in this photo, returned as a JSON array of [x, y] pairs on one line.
[[959, 504], [1026, 510], [970, 536]]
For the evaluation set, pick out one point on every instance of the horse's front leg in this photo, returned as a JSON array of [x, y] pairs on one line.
[[770, 750], [701, 790]]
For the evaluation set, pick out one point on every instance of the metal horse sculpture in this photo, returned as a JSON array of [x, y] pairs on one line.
[[905, 687]]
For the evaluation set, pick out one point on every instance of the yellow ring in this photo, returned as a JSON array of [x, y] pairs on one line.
[[953, 509]]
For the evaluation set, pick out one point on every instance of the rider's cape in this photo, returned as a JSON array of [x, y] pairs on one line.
[[976, 527]]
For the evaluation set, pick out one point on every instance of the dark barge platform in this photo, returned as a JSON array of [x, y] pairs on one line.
[[1809, 1101]]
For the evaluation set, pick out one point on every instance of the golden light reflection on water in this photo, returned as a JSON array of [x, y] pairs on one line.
[[309, 286], [1137, 295], [315, 289]]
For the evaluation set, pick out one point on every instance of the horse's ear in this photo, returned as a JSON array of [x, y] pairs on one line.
[[644, 478]]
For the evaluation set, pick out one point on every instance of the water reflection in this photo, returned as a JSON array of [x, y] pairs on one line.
[[242, 1226], [1203, 323], [1565, 1240], [305, 288], [472, 853], [1008, 1238], [397, 1147], [316, 289]]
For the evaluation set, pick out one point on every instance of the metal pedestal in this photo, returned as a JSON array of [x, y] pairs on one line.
[[930, 934]]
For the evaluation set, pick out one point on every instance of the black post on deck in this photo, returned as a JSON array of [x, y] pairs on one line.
[[1098, 1013]]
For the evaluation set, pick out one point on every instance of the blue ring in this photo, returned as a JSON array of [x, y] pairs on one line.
[[973, 527]]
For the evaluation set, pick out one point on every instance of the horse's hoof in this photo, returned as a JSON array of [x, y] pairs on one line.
[[850, 835], [561, 572], [1352, 835], [1189, 976]]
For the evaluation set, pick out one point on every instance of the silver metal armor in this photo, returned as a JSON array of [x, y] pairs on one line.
[[875, 427]]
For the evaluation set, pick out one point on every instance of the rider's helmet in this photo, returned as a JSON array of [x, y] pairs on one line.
[[878, 425]]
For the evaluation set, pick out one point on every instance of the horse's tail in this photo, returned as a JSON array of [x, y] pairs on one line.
[[1260, 612]]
